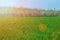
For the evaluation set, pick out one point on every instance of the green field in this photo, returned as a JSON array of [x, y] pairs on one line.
[[29, 28]]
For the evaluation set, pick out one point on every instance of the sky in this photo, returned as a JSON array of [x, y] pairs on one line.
[[39, 4], [54, 4]]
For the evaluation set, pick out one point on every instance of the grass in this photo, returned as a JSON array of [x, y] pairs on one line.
[[29, 28]]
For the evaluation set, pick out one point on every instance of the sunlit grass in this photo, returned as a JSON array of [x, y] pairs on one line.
[[29, 28]]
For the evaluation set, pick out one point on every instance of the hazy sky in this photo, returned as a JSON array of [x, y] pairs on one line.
[[42, 4]]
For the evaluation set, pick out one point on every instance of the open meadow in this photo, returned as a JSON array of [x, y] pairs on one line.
[[29, 28]]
